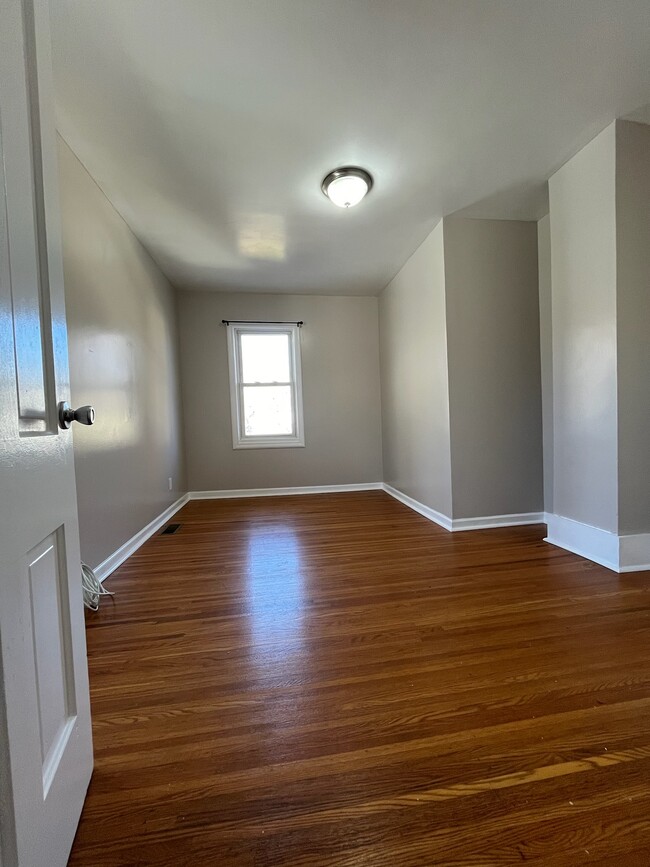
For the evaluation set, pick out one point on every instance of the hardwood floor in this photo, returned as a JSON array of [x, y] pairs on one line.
[[333, 680]]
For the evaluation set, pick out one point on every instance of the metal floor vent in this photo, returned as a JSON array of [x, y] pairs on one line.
[[170, 529]]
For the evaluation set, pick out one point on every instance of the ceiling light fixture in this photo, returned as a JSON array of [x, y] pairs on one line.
[[345, 187]]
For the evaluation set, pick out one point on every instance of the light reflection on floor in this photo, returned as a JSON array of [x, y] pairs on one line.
[[275, 593]]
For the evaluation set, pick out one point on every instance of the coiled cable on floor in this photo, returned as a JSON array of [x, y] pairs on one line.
[[92, 588]]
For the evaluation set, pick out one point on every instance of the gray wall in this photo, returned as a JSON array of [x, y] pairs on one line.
[[546, 352], [340, 371], [583, 274], [123, 359], [415, 386], [494, 366], [633, 324]]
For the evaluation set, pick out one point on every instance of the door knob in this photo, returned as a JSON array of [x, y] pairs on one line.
[[84, 415]]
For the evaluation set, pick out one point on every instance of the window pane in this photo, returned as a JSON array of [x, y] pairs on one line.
[[267, 410], [265, 358]]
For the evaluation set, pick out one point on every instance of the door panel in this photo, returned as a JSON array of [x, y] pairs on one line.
[[45, 734], [52, 641]]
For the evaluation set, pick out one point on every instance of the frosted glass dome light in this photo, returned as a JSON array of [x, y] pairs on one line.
[[345, 187]]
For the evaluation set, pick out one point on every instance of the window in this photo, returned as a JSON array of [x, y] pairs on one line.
[[265, 386]]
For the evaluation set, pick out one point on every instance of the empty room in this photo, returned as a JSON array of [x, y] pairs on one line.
[[324, 425]]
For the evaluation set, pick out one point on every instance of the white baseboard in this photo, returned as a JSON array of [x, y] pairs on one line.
[[629, 553], [593, 543], [437, 517], [118, 557], [283, 492], [456, 525], [521, 519]]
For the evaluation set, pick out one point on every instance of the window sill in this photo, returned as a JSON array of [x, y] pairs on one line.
[[270, 444]]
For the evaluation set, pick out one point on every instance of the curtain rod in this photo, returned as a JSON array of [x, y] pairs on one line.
[[261, 322]]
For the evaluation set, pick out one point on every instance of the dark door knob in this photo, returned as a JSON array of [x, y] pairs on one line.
[[83, 415]]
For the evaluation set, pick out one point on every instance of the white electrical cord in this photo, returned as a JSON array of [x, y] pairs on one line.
[[92, 588]]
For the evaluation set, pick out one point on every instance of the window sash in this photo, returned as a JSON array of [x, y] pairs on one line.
[[243, 384], [242, 419]]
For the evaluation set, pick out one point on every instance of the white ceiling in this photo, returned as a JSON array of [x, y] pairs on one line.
[[210, 124]]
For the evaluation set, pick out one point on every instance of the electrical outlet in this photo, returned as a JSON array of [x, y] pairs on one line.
[[170, 483]]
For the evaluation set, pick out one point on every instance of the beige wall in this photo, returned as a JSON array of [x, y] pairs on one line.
[[340, 371], [633, 324], [123, 360], [494, 366], [583, 274], [546, 352], [415, 387], [460, 369]]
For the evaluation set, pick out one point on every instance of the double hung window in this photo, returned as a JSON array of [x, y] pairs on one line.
[[265, 386]]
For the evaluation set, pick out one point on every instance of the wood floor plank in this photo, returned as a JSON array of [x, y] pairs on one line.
[[333, 680]]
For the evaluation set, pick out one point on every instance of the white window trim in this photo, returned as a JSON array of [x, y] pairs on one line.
[[239, 438]]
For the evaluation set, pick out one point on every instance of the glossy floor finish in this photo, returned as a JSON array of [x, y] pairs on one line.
[[333, 680]]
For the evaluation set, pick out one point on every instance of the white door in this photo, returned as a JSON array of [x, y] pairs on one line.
[[45, 734]]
